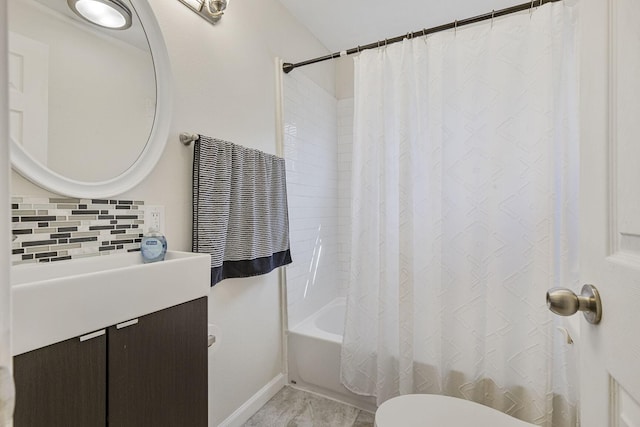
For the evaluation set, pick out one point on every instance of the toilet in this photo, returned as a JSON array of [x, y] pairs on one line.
[[430, 410]]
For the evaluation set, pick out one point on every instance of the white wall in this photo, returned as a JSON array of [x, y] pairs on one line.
[[6, 399], [224, 86], [311, 153], [344, 77]]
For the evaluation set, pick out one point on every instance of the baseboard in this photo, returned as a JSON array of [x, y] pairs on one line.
[[255, 402]]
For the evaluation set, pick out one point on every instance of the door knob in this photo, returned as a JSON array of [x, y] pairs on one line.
[[564, 302]]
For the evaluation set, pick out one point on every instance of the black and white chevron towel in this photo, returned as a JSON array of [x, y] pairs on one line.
[[240, 212]]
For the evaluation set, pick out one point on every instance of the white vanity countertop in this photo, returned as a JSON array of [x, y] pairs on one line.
[[58, 301]]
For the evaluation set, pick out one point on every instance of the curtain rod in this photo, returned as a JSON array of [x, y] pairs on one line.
[[287, 67]]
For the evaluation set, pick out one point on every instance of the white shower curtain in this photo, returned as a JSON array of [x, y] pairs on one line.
[[464, 214]]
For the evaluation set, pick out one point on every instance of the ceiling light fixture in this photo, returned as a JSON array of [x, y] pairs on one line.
[[111, 14], [211, 10]]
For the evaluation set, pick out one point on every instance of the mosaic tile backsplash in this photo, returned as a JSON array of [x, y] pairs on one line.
[[58, 229]]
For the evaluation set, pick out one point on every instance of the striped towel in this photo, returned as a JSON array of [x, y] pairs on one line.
[[239, 209]]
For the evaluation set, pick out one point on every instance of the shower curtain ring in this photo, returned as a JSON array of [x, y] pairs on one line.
[[531, 8], [409, 36], [455, 28], [385, 43], [493, 14]]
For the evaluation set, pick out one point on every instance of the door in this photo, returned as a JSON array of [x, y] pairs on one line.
[[6, 381], [610, 210], [158, 369], [29, 95], [62, 385]]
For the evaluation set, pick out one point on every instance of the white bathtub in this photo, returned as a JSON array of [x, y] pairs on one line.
[[314, 355]]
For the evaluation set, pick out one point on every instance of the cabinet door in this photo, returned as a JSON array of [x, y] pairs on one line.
[[158, 369], [62, 385]]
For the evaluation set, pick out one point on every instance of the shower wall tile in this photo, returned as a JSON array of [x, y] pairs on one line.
[[345, 147], [61, 229], [311, 153]]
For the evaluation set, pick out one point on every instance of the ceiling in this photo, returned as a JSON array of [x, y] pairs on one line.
[[343, 24]]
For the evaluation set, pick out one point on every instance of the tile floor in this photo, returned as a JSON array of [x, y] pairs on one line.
[[295, 408]]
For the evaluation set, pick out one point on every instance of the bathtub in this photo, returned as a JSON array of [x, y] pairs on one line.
[[314, 355]]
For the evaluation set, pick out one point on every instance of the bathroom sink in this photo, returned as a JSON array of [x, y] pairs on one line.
[[58, 301]]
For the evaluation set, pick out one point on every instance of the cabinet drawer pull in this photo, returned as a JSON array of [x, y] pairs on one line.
[[127, 323], [92, 335]]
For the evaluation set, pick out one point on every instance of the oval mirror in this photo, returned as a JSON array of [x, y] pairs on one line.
[[89, 106]]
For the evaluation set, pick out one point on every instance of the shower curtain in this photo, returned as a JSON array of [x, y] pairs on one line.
[[464, 213]]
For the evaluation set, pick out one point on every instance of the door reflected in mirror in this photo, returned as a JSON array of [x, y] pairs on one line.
[[82, 98]]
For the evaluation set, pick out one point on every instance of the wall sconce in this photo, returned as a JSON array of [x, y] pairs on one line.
[[211, 10]]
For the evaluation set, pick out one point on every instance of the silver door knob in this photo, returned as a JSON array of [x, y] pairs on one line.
[[564, 302]]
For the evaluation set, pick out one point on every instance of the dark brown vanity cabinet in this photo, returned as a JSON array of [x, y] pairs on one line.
[[150, 371], [166, 355], [62, 385]]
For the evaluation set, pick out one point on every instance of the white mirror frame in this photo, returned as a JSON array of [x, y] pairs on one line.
[[44, 177]]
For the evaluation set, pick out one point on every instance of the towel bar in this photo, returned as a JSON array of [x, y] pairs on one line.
[[188, 138]]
